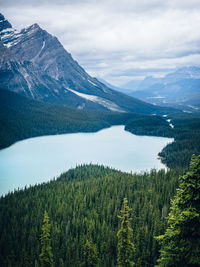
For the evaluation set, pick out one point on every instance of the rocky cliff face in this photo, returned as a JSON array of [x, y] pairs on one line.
[[36, 65], [4, 24], [47, 53], [24, 78]]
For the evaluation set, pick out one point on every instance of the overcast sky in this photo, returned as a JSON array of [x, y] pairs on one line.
[[117, 40]]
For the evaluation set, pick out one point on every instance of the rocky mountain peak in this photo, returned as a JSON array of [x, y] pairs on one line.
[[33, 28], [36, 64], [4, 24]]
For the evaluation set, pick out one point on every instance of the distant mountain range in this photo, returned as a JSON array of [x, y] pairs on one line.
[[34, 63], [180, 89]]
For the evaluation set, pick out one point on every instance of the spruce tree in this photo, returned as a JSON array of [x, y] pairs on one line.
[[90, 254], [180, 245], [125, 247], [46, 255]]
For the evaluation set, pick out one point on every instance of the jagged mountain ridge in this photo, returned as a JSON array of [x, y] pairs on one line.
[[50, 74]]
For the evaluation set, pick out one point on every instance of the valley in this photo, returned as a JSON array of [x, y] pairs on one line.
[[73, 148]]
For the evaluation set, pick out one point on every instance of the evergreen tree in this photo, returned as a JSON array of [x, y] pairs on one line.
[[125, 248], [180, 245], [46, 255], [90, 254]]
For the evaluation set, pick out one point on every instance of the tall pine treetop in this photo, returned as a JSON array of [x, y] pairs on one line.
[[46, 255], [180, 245], [125, 247]]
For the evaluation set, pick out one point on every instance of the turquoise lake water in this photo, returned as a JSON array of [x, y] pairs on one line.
[[39, 159]]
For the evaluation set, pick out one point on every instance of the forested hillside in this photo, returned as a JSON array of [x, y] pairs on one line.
[[83, 204], [22, 118], [187, 140], [180, 244]]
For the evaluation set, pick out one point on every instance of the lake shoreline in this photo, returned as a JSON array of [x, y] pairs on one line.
[[45, 157]]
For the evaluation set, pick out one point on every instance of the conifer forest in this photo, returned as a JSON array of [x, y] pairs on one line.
[[75, 220]]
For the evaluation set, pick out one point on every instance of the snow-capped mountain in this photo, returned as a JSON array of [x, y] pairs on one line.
[[45, 71]]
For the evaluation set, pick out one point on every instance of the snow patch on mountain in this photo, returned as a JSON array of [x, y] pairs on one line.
[[26, 77], [10, 37], [92, 83], [38, 54], [101, 101]]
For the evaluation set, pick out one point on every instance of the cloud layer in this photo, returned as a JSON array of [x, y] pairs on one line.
[[118, 40]]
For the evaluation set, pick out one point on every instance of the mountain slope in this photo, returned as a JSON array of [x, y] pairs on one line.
[[53, 76], [25, 78], [22, 117]]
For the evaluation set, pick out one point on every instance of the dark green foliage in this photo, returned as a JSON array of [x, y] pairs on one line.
[[187, 141], [149, 125], [83, 204], [181, 241], [46, 255], [125, 247], [22, 118], [90, 254]]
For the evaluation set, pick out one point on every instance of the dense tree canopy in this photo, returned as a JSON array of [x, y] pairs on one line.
[[84, 204], [181, 241]]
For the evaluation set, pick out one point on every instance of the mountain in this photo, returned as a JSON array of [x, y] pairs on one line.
[[45, 71], [180, 89]]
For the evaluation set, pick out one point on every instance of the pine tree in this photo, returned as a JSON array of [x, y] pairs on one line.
[[180, 245], [46, 255], [90, 254], [125, 247]]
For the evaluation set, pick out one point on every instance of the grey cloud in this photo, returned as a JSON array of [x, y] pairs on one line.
[[122, 5], [31, 3], [112, 38]]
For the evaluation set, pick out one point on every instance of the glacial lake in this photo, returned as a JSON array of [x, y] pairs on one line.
[[40, 159]]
